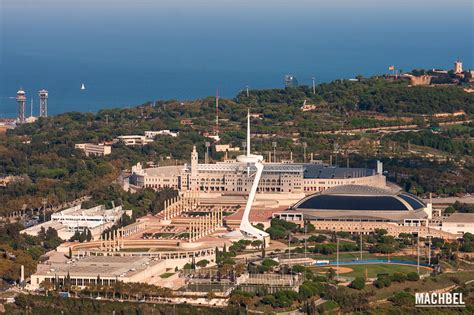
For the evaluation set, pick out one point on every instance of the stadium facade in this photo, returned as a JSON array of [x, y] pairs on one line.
[[232, 176]]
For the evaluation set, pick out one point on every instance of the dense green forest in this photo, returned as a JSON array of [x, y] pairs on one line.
[[373, 94], [443, 142]]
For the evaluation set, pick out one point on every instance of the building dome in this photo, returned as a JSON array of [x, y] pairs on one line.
[[362, 202]]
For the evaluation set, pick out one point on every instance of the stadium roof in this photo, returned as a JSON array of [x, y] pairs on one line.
[[357, 202], [360, 197]]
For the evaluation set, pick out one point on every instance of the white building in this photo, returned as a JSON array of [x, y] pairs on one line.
[[166, 132], [94, 149], [135, 140], [148, 137], [73, 219]]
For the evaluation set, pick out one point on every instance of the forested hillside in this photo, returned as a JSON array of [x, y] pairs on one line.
[[373, 94], [43, 152]]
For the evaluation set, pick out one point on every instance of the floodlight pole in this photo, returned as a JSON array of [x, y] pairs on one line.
[[418, 249], [361, 240], [429, 251], [337, 256], [305, 229]]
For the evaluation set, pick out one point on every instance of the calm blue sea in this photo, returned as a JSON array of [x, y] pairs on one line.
[[130, 52]]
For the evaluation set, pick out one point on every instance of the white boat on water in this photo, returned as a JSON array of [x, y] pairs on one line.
[[83, 87]]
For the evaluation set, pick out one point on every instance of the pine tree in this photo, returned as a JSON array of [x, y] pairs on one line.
[[67, 282]]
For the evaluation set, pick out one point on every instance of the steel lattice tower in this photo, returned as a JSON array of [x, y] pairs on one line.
[[21, 100], [43, 94]]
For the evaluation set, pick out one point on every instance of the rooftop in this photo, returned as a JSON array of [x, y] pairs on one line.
[[173, 170], [323, 171], [99, 210], [361, 198], [93, 266], [362, 190], [460, 217]]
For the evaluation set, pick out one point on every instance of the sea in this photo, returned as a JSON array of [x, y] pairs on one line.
[[130, 52]]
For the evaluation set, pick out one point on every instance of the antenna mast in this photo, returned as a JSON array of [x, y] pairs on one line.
[[217, 112], [248, 132]]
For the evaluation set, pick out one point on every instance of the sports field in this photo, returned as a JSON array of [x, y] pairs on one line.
[[372, 269]]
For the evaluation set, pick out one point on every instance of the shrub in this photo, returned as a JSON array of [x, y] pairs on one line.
[[413, 276], [383, 281], [455, 280], [317, 238], [269, 299], [358, 283], [202, 263], [402, 298], [398, 277]]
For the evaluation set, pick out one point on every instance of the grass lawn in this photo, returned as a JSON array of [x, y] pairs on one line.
[[372, 269], [365, 255], [166, 275]]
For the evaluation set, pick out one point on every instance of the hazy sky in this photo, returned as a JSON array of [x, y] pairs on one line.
[[99, 23]]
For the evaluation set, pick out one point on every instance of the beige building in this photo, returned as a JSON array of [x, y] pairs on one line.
[[232, 176], [364, 209], [226, 148], [459, 223], [94, 149], [457, 67], [103, 270]]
